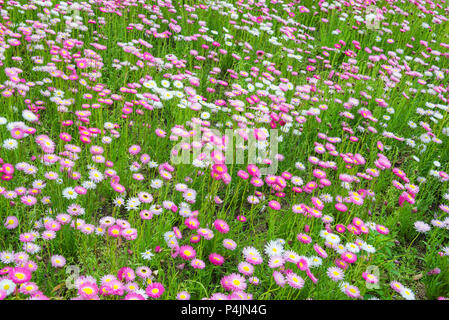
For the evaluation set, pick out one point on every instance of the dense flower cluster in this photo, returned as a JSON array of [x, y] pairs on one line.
[[100, 100]]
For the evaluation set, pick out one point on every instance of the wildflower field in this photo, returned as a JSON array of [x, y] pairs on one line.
[[266, 150]]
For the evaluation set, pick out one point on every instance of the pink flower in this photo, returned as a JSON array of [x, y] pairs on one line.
[[11, 222], [19, 275], [192, 223], [155, 290], [114, 231], [216, 259], [134, 149], [304, 238], [253, 170], [273, 204], [197, 264], [28, 200], [187, 252], [58, 261], [382, 229], [126, 273], [349, 257], [243, 174], [341, 207], [221, 226]]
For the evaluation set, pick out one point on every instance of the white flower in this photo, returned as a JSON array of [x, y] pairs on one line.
[[315, 261], [412, 125], [368, 248], [205, 115], [118, 202], [185, 212], [132, 204], [147, 255], [8, 286], [333, 238], [407, 294], [297, 181], [96, 176], [6, 257], [300, 166], [178, 84], [69, 193], [106, 140], [274, 248], [156, 183], [89, 185], [352, 247], [29, 116], [10, 144], [152, 164], [250, 251]]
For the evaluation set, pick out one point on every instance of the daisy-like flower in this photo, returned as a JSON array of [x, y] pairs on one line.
[[216, 259], [250, 251], [229, 244], [396, 286], [291, 256], [29, 288], [119, 201], [75, 210], [276, 262], [234, 282], [126, 274], [304, 238], [352, 291], [273, 248], [88, 290], [155, 290], [370, 278], [352, 247], [245, 268], [279, 278], [407, 294], [69, 193], [147, 255], [335, 274], [254, 280], [315, 262], [253, 259], [221, 226], [11, 222], [133, 295], [421, 227], [183, 295], [145, 197], [8, 286], [187, 252], [132, 204], [197, 264], [144, 272], [349, 257], [58, 261], [156, 183], [294, 281], [20, 275], [10, 144]]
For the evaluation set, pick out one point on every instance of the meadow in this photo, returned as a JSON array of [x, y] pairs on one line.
[[266, 150]]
